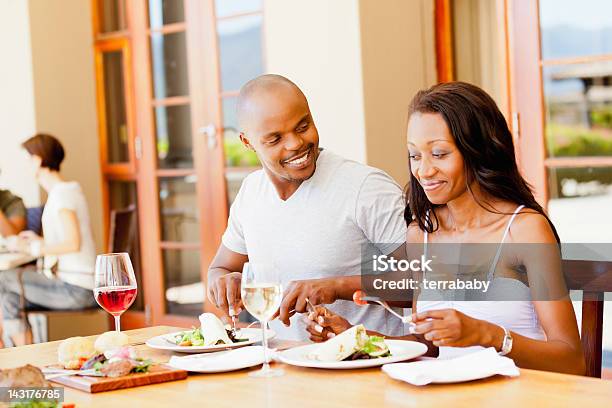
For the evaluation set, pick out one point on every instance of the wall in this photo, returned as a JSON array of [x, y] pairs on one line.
[[16, 100], [316, 43], [398, 57], [359, 62], [479, 41], [64, 88]]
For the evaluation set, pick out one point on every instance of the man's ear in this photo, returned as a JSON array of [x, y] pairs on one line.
[[245, 142]]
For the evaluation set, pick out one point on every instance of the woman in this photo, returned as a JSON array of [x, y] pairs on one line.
[[65, 279], [465, 187]]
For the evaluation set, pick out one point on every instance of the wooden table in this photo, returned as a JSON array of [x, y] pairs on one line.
[[302, 387]]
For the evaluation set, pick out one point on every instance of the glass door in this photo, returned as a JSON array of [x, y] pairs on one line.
[[176, 177], [239, 39], [562, 103], [119, 146]]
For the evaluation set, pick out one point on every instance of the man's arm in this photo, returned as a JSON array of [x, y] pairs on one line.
[[328, 290], [224, 279]]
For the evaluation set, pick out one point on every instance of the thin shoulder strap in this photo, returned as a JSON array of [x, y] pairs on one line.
[[499, 248], [425, 237]]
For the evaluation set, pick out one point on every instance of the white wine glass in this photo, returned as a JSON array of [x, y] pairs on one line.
[[261, 295], [115, 285]]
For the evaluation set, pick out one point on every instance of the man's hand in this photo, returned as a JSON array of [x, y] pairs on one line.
[[318, 291], [224, 292]]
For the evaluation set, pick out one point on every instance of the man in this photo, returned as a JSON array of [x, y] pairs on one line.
[[12, 214], [308, 211]]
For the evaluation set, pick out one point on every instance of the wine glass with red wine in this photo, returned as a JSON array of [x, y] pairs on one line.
[[115, 284]]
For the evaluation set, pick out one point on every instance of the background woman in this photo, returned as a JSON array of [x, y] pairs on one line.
[[65, 279], [465, 187]]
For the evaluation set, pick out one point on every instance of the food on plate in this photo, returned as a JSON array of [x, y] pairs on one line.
[[26, 376], [352, 344], [210, 333], [117, 362], [74, 351], [109, 356], [110, 340]]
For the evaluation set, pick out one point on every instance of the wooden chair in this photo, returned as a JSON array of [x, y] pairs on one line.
[[594, 278], [122, 235]]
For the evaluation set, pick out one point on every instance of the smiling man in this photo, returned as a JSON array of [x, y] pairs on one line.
[[309, 212]]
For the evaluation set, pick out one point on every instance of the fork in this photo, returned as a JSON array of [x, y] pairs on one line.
[[405, 319]]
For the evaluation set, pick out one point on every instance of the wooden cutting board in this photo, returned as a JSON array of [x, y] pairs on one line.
[[157, 374]]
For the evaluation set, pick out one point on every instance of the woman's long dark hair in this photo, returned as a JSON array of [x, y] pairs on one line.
[[482, 136]]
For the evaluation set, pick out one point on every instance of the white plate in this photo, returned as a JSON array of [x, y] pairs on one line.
[[223, 361], [401, 350], [164, 342]]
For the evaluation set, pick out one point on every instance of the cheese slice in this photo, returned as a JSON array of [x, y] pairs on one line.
[[213, 330], [343, 345]]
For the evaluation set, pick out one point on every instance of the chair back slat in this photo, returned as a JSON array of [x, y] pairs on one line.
[[594, 278], [592, 331], [122, 231]]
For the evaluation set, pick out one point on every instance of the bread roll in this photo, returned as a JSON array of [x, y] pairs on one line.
[[73, 351], [110, 340]]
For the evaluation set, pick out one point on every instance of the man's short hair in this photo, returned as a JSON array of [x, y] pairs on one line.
[[265, 81]]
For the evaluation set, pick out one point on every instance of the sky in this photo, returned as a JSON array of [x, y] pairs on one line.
[[588, 14]]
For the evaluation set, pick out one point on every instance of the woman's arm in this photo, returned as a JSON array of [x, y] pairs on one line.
[[562, 349], [560, 352]]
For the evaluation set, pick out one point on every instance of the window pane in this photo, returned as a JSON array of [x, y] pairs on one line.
[[580, 198], [179, 209], [112, 15], [230, 120], [169, 65], [123, 195], [225, 8], [174, 142], [240, 51], [162, 12], [578, 109], [239, 161], [184, 289], [571, 28], [116, 124]]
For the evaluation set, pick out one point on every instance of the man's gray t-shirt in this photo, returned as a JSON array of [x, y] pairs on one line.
[[320, 231]]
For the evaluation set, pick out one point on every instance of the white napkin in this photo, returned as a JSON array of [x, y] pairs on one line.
[[235, 359], [480, 364]]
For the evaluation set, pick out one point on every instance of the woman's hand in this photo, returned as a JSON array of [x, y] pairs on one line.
[[21, 243], [449, 327], [322, 324], [29, 236]]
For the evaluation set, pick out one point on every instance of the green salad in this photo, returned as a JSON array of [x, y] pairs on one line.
[[195, 337], [373, 347], [192, 337]]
